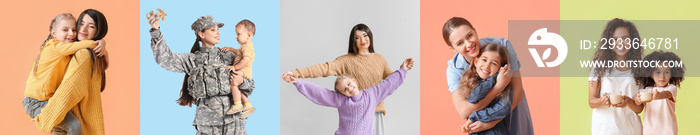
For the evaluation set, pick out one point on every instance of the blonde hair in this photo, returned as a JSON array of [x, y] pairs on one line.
[[337, 80], [59, 17]]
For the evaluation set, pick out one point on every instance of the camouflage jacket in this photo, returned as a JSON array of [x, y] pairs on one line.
[[208, 81]]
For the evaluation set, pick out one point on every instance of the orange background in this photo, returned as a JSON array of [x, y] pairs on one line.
[[25, 26], [490, 18]]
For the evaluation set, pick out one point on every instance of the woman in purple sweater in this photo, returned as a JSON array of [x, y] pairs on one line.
[[355, 108]]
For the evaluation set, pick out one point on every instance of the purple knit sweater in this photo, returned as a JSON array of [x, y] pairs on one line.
[[356, 113]]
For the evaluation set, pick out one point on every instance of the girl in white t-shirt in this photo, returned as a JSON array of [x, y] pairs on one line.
[[659, 97], [610, 88]]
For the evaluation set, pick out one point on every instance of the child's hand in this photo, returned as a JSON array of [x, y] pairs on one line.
[[465, 127], [228, 49], [153, 21], [101, 48], [32, 119], [407, 64], [605, 99], [504, 74], [638, 98], [289, 78], [660, 95]]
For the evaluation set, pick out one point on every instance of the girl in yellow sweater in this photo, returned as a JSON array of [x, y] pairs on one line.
[[50, 67]]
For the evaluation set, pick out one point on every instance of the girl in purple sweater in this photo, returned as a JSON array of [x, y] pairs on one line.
[[355, 107]]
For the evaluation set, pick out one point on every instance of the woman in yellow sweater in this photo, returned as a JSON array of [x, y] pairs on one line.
[[84, 79], [361, 62]]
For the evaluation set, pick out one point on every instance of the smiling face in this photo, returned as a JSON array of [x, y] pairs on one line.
[[488, 64], [620, 34], [210, 36], [362, 40], [661, 76], [465, 41], [347, 86], [86, 28], [64, 30]]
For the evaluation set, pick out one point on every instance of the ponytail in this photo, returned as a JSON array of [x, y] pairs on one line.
[[185, 98]]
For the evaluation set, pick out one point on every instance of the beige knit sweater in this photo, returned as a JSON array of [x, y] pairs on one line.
[[369, 70]]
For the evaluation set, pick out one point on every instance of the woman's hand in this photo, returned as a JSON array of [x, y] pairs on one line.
[[504, 74], [407, 64], [101, 48], [236, 78], [230, 68], [153, 21], [625, 100], [605, 99], [480, 126], [289, 78], [465, 127]]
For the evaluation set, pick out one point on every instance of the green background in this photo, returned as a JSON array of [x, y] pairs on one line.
[[575, 115]]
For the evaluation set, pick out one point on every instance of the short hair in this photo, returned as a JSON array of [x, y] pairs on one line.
[[248, 25]]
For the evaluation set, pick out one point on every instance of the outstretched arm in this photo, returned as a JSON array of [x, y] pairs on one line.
[[319, 95]]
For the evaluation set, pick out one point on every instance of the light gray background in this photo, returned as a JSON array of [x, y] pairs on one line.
[[317, 31]]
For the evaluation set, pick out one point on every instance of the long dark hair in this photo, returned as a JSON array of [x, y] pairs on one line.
[[352, 47], [451, 24], [99, 63], [609, 54], [471, 79], [185, 98]]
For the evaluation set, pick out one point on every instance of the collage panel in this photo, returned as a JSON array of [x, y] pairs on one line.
[[168, 53], [68, 89], [584, 109], [450, 29], [382, 35]]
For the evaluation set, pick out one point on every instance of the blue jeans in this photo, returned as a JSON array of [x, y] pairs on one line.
[[69, 126]]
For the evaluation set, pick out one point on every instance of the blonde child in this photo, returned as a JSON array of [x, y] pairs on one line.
[[663, 80], [355, 107], [245, 30], [49, 68], [477, 82]]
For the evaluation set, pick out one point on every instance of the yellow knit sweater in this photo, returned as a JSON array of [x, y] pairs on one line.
[[369, 70], [80, 92], [54, 56]]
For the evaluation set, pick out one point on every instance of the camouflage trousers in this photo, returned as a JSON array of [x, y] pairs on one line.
[[237, 127]]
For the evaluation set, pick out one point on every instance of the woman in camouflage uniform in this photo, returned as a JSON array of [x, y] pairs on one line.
[[207, 82]]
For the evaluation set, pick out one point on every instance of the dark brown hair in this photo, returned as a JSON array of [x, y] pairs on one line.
[[185, 98], [248, 25], [352, 47], [609, 54], [643, 76], [451, 24], [470, 79], [101, 25]]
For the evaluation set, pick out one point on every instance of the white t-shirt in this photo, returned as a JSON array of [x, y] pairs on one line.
[[615, 120]]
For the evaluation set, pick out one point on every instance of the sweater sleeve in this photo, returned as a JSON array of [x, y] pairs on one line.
[[481, 90], [320, 95], [497, 110], [65, 49], [173, 62], [72, 90], [335, 68], [389, 85]]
